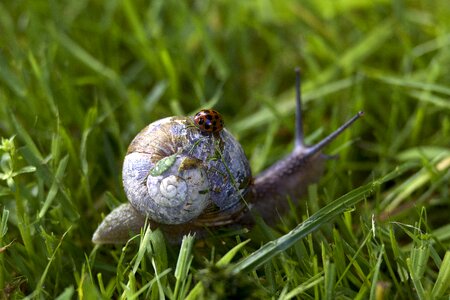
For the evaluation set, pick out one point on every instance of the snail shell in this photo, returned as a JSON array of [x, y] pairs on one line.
[[173, 171], [189, 174]]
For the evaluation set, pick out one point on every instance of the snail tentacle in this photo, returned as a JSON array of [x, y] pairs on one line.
[[299, 137], [290, 176]]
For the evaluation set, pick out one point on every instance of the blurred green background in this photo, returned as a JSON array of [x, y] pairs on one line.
[[78, 79]]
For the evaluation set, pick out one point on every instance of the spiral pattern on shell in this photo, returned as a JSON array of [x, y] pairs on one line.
[[173, 173], [169, 191]]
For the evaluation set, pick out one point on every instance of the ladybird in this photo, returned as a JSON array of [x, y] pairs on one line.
[[208, 121]]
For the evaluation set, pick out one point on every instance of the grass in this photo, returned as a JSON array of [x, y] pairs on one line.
[[78, 79]]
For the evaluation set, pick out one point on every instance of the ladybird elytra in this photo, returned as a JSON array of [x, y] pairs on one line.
[[208, 121]]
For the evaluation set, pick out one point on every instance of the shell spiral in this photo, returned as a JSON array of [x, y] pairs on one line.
[[173, 173]]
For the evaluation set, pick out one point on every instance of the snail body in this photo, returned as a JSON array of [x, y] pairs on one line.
[[189, 174]]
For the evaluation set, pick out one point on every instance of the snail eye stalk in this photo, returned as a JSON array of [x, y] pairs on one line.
[[299, 138], [299, 135]]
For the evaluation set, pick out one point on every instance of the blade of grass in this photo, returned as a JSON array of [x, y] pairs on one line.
[[412, 83], [423, 176], [55, 186], [311, 282], [376, 274], [185, 258], [42, 76], [3, 230], [415, 279], [158, 281], [41, 284], [10, 79], [145, 241], [353, 258], [67, 294], [197, 291], [285, 105], [83, 56], [330, 279], [226, 259], [437, 101], [442, 283], [324, 215], [149, 284]]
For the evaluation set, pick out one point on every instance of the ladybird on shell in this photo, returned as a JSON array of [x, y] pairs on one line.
[[208, 121], [190, 175]]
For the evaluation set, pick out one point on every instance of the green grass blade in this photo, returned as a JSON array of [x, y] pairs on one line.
[[286, 104], [67, 294], [185, 257], [41, 284], [10, 79], [55, 186], [226, 259], [3, 231], [197, 291], [311, 282], [330, 280], [4, 223], [408, 82], [321, 217], [415, 279], [442, 283], [83, 56], [376, 274], [143, 248]]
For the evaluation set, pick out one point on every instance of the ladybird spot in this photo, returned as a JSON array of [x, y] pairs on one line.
[[209, 117]]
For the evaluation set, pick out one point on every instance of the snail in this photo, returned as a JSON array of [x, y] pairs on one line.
[[190, 175]]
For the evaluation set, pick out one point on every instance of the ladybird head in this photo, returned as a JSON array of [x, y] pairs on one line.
[[208, 121]]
